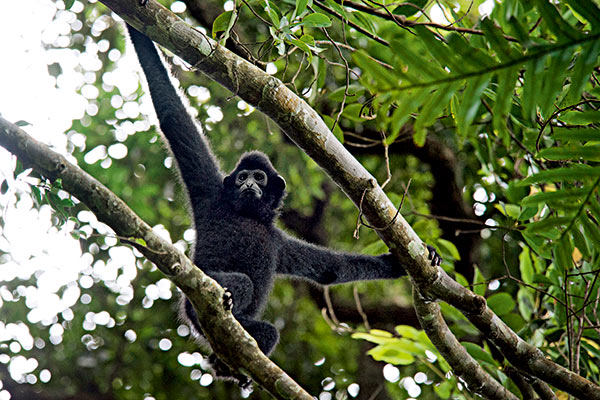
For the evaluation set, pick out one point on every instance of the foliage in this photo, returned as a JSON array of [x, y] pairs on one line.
[[514, 96]]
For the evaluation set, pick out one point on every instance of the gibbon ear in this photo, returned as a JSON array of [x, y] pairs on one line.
[[280, 183], [228, 180]]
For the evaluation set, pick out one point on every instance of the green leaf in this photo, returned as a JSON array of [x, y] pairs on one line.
[[539, 278], [417, 64], [410, 8], [300, 7], [354, 91], [69, 4], [391, 353], [518, 30], [559, 196], [527, 213], [514, 321], [470, 102], [501, 303], [37, 195], [409, 104], [448, 247], [548, 227], [507, 79], [526, 266], [386, 79], [316, 20], [563, 251], [497, 40], [510, 210], [581, 118], [515, 193], [526, 302], [302, 46], [274, 13], [580, 241], [572, 152], [575, 172], [469, 54], [584, 66], [591, 230], [583, 134], [556, 24], [478, 353], [223, 23], [553, 80], [432, 109], [439, 50], [375, 336], [587, 10], [67, 203], [532, 87], [479, 284], [408, 332]]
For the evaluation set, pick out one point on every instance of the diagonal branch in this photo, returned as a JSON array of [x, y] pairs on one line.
[[225, 335], [465, 366]]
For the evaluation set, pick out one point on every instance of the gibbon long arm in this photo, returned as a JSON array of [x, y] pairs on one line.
[[197, 165], [328, 267]]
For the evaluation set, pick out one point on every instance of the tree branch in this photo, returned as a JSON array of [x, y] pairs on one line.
[[225, 335], [465, 366]]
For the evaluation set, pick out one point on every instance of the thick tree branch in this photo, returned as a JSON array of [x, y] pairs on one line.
[[304, 126], [465, 366], [225, 335]]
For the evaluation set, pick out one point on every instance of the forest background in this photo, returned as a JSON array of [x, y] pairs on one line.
[[481, 118]]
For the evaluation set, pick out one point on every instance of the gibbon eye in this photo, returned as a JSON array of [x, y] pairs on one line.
[[259, 177], [243, 176]]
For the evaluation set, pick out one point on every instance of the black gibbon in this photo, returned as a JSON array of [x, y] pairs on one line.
[[237, 242]]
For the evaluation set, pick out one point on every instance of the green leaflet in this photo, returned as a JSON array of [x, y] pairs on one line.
[[553, 80], [572, 152], [470, 102], [410, 103], [501, 303], [432, 109], [316, 20], [440, 52], [586, 60], [559, 196], [497, 41], [385, 78], [554, 21], [579, 134], [575, 172], [587, 10], [532, 86], [417, 65], [504, 95]]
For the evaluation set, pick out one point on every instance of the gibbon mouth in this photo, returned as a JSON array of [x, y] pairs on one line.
[[251, 190]]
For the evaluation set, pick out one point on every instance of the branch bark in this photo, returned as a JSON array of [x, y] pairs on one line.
[[465, 366], [225, 335]]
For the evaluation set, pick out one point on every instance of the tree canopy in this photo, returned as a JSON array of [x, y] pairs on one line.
[[479, 118]]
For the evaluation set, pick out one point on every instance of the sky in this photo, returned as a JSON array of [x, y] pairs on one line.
[[32, 245]]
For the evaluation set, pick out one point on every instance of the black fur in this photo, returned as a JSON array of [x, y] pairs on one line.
[[237, 243]]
